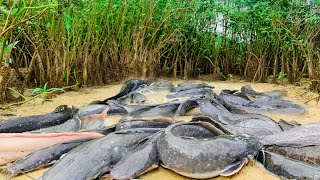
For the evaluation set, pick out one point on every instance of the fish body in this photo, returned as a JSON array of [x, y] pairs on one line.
[[157, 87], [142, 123], [300, 143], [203, 157], [43, 157], [91, 160], [98, 108], [191, 85], [132, 97], [288, 168], [165, 110], [129, 86], [30, 123], [138, 161], [236, 123], [15, 146], [71, 125], [191, 93], [255, 102]]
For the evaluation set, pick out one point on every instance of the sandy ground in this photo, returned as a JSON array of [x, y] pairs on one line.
[[252, 171]]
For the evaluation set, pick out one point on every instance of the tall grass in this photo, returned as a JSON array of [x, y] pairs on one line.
[[103, 41]]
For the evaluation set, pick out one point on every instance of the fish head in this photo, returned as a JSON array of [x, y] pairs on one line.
[[253, 146], [66, 109]]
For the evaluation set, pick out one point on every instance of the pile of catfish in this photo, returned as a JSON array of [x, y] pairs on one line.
[[224, 134]]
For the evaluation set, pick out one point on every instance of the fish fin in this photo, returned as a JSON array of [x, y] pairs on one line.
[[151, 168], [190, 138], [103, 172], [234, 168], [104, 113]]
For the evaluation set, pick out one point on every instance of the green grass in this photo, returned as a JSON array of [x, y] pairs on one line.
[[103, 41]]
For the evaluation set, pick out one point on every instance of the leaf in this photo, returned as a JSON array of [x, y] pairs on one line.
[[56, 89], [14, 11], [45, 86], [36, 90], [10, 46], [281, 75]]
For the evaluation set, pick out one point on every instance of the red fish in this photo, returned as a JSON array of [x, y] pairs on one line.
[[94, 121], [14, 146]]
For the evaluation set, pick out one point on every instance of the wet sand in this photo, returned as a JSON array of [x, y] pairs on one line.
[[251, 171]]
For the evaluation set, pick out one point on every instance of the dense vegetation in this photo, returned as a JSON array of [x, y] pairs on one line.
[[94, 42]]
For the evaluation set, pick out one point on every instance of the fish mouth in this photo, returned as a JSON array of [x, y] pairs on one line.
[[205, 130]]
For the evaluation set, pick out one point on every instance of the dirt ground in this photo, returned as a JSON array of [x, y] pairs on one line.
[[251, 171]]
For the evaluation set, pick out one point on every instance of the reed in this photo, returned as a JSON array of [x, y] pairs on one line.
[[103, 41]]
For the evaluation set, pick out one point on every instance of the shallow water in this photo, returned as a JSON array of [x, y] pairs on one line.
[[251, 171]]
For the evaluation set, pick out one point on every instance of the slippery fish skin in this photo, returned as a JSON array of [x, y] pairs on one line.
[[238, 124], [99, 108], [265, 103], [186, 106], [141, 123], [157, 87], [304, 135], [137, 161], [129, 86], [71, 125], [191, 85], [288, 168], [90, 160], [165, 110], [247, 89], [190, 93], [307, 154], [132, 97], [43, 157], [29, 123], [206, 158], [300, 143], [17, 145]]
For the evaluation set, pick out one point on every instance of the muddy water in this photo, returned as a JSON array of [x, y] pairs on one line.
[[251, 171]]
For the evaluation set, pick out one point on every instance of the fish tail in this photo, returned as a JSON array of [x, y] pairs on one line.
[[104, 113]]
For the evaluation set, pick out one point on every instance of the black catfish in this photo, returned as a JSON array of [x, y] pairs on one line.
[[71, 125], [238, 123], [143, 123], [205, 153], [166, 110], [157, 87], [91, 160], [191, 85], [264, 103], [145, 157], [184, 107], [199, 92], [43, 157], [132, 97], [129, 86], [30, 123], [300, 143], [99, 108], [288, 168]]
